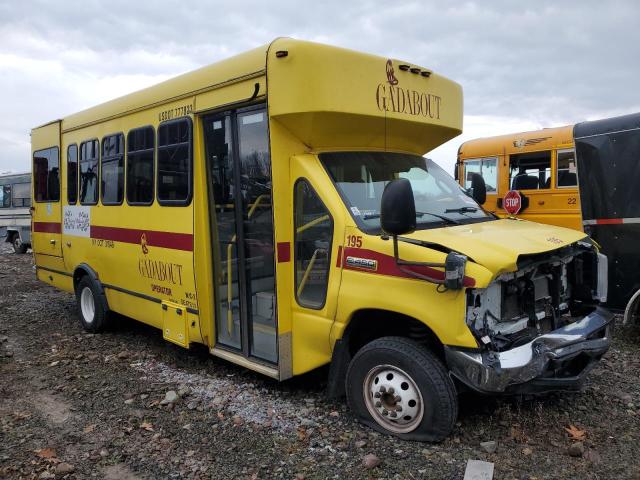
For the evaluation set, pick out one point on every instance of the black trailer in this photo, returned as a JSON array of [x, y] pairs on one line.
[[608, 156]]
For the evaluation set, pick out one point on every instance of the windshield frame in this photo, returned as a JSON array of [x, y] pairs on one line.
[[421, 225]]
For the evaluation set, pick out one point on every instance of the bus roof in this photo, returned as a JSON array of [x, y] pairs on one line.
[[536, 140]]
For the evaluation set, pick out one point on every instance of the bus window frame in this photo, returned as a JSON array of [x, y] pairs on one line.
[[510, 179], [495, 158], [95, 139], [295, 250], [174, 203], [557, 170], [153, 167], [77, 199], [55, 147], [124, 166]]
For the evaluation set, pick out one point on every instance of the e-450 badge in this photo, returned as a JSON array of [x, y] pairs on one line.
[[365, 263]]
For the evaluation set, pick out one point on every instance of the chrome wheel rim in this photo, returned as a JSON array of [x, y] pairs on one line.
[[393, 399], [87, 305]]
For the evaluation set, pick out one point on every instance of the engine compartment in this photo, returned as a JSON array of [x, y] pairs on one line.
[[546, 292]]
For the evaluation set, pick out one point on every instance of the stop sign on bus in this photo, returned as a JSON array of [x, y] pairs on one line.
[[513, 202]]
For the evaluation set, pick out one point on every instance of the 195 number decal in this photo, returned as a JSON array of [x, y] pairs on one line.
[[354, 241]]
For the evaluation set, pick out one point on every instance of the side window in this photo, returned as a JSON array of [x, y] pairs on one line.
[[530, 171], [112, 170], [140, 149], [313, 238], [174, 162], [72, 174], [5, 196], [46, 175], [89, 153], [567, 175], [21, 195], [487, 168]]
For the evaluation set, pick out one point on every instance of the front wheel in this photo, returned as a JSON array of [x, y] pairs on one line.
[[397, 386], [18, 246]]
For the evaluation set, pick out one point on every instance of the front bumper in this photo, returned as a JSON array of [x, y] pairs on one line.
[[558, 360]]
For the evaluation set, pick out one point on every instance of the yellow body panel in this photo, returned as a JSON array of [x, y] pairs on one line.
[[555, 205], [319, 98]]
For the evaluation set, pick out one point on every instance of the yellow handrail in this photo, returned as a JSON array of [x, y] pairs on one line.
[[230, 268], [307, 271], [312, 223]]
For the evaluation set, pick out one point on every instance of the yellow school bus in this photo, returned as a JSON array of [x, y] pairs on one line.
[[265, 206], [537, 169]]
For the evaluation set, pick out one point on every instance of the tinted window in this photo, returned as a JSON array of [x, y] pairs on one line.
[[174, 162], [46, 175], [72, 174], [112, 169], [530, 171], [5, 196], [140, 148], [21, 194], [313, 234], [89, 152]]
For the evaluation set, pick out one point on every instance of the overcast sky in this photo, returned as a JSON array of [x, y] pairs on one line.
[[522, 65]]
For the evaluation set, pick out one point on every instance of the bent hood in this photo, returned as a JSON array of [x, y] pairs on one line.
[[497, 245]]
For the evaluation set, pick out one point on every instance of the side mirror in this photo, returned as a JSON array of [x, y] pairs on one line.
[[454, 267], [398, 208], [478, 188]]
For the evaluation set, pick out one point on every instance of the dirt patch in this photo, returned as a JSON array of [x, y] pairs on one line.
[[96, 405]]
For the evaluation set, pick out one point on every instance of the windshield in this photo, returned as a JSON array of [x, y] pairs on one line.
[[362, 176]]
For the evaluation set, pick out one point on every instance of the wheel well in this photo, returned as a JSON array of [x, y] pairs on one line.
[[77, 276], [10, 236], [370, 324]]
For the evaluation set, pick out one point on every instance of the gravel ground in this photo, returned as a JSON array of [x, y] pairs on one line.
[[75, 405]]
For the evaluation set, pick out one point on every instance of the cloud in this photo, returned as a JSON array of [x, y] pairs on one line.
[[522, 66]]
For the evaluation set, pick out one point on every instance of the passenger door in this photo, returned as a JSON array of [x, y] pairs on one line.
[[239, 178], [46, 228]]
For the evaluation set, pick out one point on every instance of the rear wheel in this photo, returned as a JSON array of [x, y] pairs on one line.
[[18, 246], [397, 386], [92, 313]]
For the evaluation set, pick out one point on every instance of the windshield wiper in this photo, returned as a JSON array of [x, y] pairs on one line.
[[448, 220], [461, 210]]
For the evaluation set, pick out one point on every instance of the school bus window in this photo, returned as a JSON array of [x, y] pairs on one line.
[[5, 196], [140, 149], [21, 194], [72, 174], [46, 175], [530, 171], [89, 152], [567, 173], [313, 237], [112, 169], [486, 167], [174, 162]]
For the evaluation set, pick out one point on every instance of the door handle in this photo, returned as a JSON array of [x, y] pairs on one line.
[[52, 241], [69, 244]]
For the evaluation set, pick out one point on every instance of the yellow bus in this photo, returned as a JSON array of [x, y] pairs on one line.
[[531, 175], [265, 206]]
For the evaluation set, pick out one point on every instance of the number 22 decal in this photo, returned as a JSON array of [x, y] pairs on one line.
[[572, 201], [354, 241]]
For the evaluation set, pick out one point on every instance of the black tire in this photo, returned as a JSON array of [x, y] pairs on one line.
[[100, 320], [18, 247], [439, 398]]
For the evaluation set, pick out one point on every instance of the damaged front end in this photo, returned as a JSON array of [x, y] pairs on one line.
[[539, 328]]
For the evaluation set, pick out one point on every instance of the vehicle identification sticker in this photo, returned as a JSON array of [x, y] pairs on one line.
[[355, 211], [365, 263]]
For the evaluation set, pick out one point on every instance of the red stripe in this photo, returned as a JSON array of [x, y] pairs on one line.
[[176, 241], [387, 266], [46, 227], [609, 221], [339, 260], [284, 252]]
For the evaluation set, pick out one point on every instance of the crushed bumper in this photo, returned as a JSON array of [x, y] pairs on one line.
[[558, 360]]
